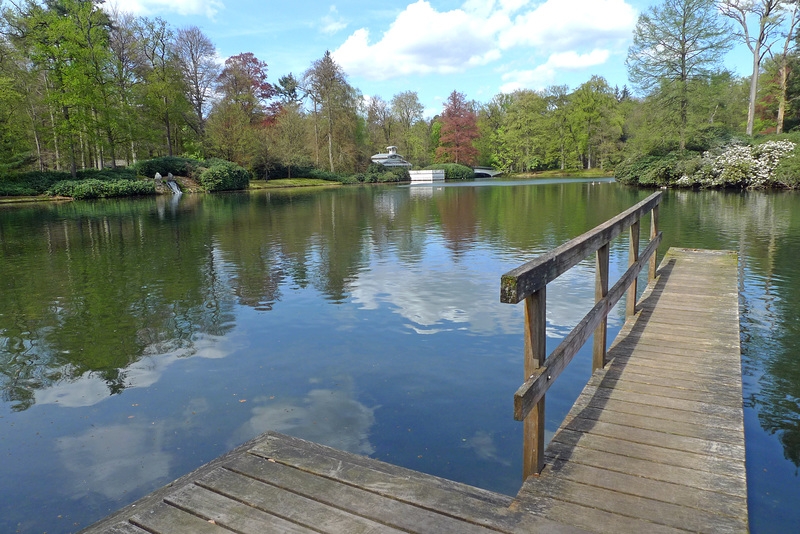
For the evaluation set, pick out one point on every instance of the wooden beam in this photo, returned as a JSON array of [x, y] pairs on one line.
[[518, 283], [535, 353], [600, 291], [534, 388], [653, 234], [633, 255]]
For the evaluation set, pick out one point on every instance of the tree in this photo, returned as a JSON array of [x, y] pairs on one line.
[[407, 111], [380, 121], [769, 15], [523, 134], [335, 101], [287, 89], [164, 91], [243, 82], [783, 60], [459, 130], [674, 43], [595, 123], [289, 137], [196, 57]]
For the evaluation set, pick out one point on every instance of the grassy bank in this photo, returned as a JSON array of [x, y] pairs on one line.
[[582, 173], [291, 182]]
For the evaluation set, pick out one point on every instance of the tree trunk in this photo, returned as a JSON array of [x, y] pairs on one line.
[[784, 76], [330, 139], [751, 109]]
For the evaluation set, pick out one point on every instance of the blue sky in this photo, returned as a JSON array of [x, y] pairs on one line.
[[478, 47]]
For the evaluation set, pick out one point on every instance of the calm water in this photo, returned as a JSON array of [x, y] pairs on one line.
[[141, 338]]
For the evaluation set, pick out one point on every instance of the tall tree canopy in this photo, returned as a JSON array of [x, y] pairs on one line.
[[675, 42], [459, 130], [768, 15]]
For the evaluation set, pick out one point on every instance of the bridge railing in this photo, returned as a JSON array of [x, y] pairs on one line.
[[529, 283]]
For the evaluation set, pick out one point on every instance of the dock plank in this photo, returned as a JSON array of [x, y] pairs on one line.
[[658, 434]]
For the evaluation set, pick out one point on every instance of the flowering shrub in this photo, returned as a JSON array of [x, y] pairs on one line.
[[740, 165]]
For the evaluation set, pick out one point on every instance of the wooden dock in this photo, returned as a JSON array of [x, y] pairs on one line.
[[655, 443], [277, 483]]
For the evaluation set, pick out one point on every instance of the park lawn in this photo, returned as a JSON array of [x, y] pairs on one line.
[[290, 182]]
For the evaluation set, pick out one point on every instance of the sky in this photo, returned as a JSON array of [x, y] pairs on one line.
[[477, 47]]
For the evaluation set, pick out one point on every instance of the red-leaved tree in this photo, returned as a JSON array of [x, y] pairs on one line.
[[243, 82], [459, 130]]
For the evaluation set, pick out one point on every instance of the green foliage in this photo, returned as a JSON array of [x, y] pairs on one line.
[[787, 173], [30, 183], [377, 173], [224, 176], [168, 164], [654, 170], [768, 164], [94, 188], [453, 171]]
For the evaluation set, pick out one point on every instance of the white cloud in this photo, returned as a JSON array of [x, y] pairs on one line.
[[575, 34], [545, 74], [208, 8], [558, 25], [333, 22], [421, 41]]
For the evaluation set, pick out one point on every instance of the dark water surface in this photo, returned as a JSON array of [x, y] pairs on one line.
[[140, 339]]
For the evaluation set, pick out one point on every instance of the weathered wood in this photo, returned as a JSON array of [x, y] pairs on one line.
[[633, 256], [529, 394], [272, 501], [165, 518], [659, 433], [600, 291], [651, 275], [229, 513], [558, 453], [348, 498], [518, 283], [632, 505], [535, 353]]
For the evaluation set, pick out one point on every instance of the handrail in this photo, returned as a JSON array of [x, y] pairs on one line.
[[529, 283]]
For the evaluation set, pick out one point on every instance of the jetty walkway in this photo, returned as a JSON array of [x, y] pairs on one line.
[[655, 443]]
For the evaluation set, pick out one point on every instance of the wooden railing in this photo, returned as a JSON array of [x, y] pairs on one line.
[[529, 283]]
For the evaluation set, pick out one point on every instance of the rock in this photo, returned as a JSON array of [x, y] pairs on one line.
[[158, 177], [170, 177]]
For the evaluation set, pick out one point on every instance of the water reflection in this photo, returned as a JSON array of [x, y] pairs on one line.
[[332, 417], [364, 318], [115, 460]]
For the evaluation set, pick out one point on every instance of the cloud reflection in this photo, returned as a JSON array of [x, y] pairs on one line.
[[115, 460], [332, 417], [89, 389]]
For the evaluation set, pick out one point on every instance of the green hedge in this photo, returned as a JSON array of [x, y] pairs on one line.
[[168, 164], [453, 171], [92, 188], [649, 170], [224, 176]]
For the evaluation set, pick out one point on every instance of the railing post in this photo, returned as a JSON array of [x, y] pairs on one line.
[[600, 291], [653, 234], [535, 353], [633, 255]]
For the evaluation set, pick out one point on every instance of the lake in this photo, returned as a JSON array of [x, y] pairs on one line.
[[141, 338]]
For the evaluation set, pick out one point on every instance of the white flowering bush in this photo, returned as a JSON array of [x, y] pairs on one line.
[[740, 165]]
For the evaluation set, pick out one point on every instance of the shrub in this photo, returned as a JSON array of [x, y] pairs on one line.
[[120, 173], [92, 188], [787, 172], [223, 175], [453, 171], [168, 164]]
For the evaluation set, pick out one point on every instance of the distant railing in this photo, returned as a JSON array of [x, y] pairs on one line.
[[529, 283]]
